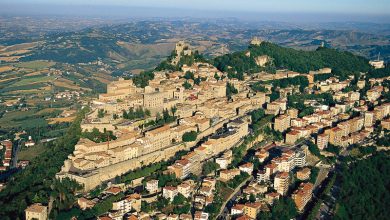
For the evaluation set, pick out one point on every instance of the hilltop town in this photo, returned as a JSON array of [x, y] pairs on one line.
[[236, 138]]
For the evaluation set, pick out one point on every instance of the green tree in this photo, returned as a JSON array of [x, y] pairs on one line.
[[101, 113], [179, 199], [252, 198], [230, 90], [187, 85], [209, 167], [190, 136], [284, 209]]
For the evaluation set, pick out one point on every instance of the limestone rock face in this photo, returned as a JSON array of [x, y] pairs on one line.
[[262, 60]]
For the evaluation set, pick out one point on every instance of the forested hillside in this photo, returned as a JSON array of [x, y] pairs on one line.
[[365, 192], [37, 183], [342, 63]]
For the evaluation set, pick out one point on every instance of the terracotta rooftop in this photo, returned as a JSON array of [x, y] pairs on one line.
[[114, 190]]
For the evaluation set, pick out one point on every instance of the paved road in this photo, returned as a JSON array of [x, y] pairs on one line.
[[15, 152], [233, 197]]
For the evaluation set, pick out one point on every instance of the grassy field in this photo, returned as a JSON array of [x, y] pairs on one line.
[[24, 119], [15, 89], [36, 64], [31, 152], [33, 80]]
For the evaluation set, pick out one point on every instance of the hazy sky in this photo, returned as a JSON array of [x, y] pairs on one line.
[[178, 7], [328, 6]]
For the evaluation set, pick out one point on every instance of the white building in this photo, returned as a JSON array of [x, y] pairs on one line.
[[123, 205], [152, 186], [184, 189], [222, 162], [300, 159], [281, 182], [247, 168], [262, 176], [169, 192]]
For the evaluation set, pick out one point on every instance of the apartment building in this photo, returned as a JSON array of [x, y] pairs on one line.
[[152, 186], [292, 112], [169, 192], [282, 123], [252, 209], [303, 195], [281, 182], [322, 141], [226, 175], [247, 168]]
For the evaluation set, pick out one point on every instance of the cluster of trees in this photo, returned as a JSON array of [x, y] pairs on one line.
[[139, 113], [190, 136], [236, 64], [257, 115], [379, 73], [179, 205], [154, 171], [259, 87], [385, 140], [300, 81], [313, 174], [190, 75], [187, 85], [364, 188], [96, 136], [230, 90], [191, 59], [297, 101], [36, 183], [142, 79], [184, 59], [333, 149], [313, 148], [276, 135], [144, 171], [283, 208], [101, 113], [164, 119], [166, 65], [99, 209], [238, 154], [237, 180], [274, 94], [209, 167], [322, 195]]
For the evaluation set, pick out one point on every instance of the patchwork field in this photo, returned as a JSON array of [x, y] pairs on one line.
[[24, 119], [61, 120], [10, 59], [6, 68]]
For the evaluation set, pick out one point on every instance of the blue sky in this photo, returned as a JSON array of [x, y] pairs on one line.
[[309, 6]]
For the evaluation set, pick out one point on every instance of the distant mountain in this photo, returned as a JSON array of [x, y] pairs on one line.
[[138, 45]]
